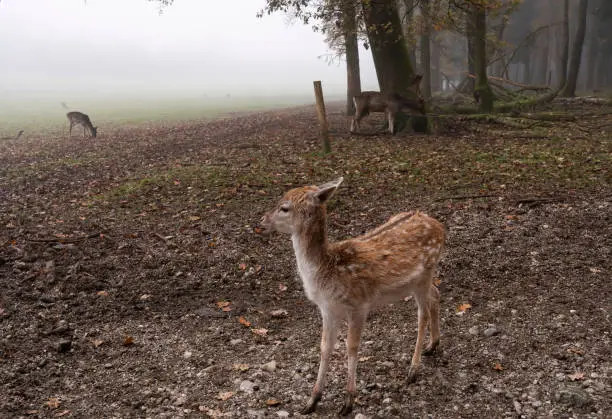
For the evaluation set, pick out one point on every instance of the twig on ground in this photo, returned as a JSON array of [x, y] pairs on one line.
[[64, 239]]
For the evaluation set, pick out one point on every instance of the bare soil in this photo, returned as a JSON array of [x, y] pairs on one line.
[[133, 283]]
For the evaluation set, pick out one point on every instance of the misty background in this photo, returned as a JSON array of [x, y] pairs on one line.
[[67, 49]]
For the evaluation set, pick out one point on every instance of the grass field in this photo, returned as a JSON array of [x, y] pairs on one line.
[[46, 114]]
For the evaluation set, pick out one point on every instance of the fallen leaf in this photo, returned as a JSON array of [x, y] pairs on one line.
[[576, 351], [241, 367], [128, 341], [63, 413], [272, 402], [498, 367], [260, 332], [242, 266], [193, 218], [53, 403], [32, 412], [257, 230], [364, 358], [437, 281], [461, 309], [278, 313], [244, 321], [222, 304], [282, 287], [225, 395], [577, 376], [102, 293], [97, 342]]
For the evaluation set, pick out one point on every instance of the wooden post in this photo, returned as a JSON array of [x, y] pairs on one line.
[[322, 117]]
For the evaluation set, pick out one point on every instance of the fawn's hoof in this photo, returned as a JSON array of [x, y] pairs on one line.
[[412, 375], [312, 405], [432, 348], [347, 408]]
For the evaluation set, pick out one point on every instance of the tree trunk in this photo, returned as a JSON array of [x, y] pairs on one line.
[[569, 90], [483, 90], [471, 48], [391, 59], [407, 21], [426, 50], [436, 78], [564, 44], [389, 51], [353, 75], [593, 52]]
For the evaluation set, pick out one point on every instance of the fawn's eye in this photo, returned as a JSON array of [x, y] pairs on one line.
[[284, 209]]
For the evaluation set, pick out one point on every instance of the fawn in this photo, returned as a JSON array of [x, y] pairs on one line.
[[367, 102], [347, 279], [79, 118]]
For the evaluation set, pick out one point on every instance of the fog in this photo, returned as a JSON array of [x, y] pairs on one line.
[[126, 48]]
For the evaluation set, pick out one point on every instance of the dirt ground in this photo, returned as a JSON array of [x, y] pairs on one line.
[[133, 283]]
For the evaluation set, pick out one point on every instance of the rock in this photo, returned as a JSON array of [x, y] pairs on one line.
[[64, 345], [573, 396], [473, 330], [247, 386], [491, 331], [181, 400], [283, 414], [252, 413], [269, 367]]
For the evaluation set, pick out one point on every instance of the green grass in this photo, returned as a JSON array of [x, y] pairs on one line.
[[38, 116]]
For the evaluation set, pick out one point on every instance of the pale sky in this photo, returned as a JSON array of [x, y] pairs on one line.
[[195, 47]]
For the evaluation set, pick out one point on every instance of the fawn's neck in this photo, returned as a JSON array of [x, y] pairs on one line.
[[310, 244]]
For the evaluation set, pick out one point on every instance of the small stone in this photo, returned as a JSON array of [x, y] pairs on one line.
[[360, 416], [187, 355], [252, 413], [573, 396], [235, 342], [247, 386], [387, 400], [181, 400], [269, 367], [536, 403], [517, 406], [473, 330], [491, 331], [64, 346], [282, 414]]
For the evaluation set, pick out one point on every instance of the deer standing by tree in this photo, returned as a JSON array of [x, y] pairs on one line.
[[347, 279], [390, 104]]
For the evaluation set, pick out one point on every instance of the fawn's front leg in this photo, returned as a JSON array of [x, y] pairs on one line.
[[355, 326], [328, 341]]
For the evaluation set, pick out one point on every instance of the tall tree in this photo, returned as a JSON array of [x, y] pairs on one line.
[[483, 89], [426, 49], [564, 43], [569, 90], [391, 59], [353, 76]]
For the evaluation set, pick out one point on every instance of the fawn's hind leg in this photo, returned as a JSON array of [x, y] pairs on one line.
[[434, 320]]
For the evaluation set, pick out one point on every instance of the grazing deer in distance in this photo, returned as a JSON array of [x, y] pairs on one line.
[[79, 118], [347, 279], [391, 104], [19, 134]]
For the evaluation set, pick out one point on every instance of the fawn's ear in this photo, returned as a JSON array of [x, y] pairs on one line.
[[327, 190]]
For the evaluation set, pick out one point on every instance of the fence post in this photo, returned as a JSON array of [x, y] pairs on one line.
[[322, 117]]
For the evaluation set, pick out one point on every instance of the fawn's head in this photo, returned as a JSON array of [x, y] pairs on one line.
[[297, 207]]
